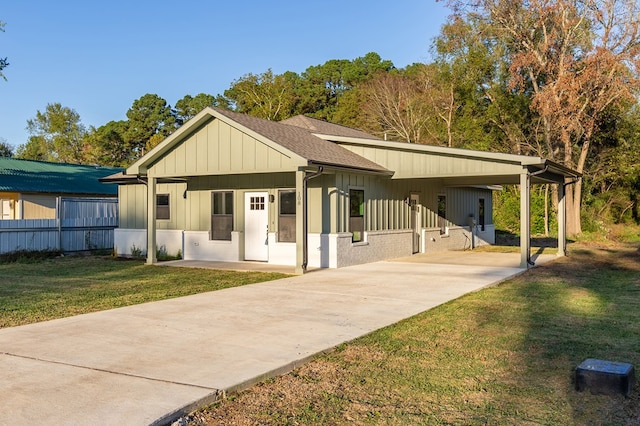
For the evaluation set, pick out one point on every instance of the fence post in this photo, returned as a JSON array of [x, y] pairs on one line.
[[59, 219]]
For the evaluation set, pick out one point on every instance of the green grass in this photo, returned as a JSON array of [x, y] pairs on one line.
[[505, 355], [36, 289]]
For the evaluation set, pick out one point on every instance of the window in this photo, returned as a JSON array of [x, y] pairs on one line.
[[442, 213], [356, 214], [162, 206], [256, 203], [287, 216], [481, 214], [221, 215]]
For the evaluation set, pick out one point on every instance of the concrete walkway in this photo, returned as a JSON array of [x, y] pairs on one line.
[[151, 363]]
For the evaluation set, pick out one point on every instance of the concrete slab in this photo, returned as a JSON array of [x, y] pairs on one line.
[[137, 364]]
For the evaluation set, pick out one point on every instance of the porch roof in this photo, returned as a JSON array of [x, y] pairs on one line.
[[455, 166]]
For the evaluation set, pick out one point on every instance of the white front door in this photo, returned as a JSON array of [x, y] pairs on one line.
[[416, 223], [256, 226]]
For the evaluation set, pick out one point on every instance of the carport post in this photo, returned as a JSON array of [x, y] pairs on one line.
[[300, 209], [562, 221], [525, 218], [151, 220]]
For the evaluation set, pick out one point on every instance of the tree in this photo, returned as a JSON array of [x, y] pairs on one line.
[[322, 87], [6, 150], [612, 187], [266, 95], [55, 135], [108, 146], [397, 105], [188, 106], [575, 59], [3, 61], [149, 115]]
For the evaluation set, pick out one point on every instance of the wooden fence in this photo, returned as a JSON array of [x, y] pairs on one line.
[[80, 224]]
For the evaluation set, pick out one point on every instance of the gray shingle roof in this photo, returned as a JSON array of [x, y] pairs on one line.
[[302, 142], [326, 128]]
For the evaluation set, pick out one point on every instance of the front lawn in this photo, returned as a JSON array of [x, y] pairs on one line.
[[502, 356], [53, 288]]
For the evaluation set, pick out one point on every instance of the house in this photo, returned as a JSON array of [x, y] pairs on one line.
[[32, 189], [304, 192], [55, 206]]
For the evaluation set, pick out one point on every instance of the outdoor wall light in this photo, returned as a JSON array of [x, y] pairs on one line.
[[272, 198]]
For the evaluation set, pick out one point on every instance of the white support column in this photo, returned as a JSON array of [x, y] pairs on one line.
[[562, 221], [151, 220], [525, 219], [300, 209]]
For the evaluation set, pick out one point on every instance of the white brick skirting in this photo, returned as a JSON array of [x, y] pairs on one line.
[[127, 240], [198, 246], [337, 250]]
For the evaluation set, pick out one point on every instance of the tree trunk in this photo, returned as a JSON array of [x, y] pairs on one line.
[[573, 197]]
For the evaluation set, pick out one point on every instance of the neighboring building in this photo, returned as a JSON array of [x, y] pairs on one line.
[[304, 192], [32, 189]]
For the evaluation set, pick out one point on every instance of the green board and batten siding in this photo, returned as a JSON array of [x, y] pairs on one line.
[[409, 164], [218, 148], [193, 213], [385, 206]]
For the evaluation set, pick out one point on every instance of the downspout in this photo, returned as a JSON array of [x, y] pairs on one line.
[[539, 172], [305, 236]]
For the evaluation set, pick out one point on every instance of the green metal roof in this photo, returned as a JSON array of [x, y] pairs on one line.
[[39, 176]]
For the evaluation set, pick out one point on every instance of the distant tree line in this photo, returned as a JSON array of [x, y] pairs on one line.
[[558, 79]]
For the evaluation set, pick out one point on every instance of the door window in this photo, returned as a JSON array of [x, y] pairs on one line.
[[356, 214], [221, 215]]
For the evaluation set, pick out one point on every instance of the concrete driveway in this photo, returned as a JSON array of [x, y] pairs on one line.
[[152, 363]]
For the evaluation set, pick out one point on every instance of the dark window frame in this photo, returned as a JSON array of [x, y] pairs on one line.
[[442, 213], [356, 214], [481, 213], [287, 218], [221, 215], [163, 210]]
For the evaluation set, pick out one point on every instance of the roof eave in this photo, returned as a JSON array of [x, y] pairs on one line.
[[351, 169]]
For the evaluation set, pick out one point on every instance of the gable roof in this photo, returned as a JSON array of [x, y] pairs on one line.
[[43, 177], [298, 142]]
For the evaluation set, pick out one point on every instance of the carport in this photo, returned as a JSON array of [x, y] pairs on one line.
[[529, 171], [466, 168]]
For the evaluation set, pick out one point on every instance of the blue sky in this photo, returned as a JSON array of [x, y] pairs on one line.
[[98, 57]]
